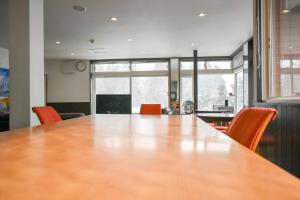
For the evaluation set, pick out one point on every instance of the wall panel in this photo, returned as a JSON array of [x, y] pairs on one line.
[[281, 141]]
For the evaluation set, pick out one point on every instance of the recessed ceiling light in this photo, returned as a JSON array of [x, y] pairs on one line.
[[72, 54], [202, 14], [129, 39], [113, 19], [291, 47], [285, 11], [58, 42], [192, 44], [79, 8]]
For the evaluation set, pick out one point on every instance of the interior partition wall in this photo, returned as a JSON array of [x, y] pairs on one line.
[[121, 86]]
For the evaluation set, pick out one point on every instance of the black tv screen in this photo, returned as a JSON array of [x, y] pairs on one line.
[[113, 104]]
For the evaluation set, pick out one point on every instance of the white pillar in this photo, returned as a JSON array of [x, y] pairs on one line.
[[26, 59]]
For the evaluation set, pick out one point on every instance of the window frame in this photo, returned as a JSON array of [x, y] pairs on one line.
[[107, 77], [267, 57], [236, 72], [190, 72], [144, 76], [95, 65], [129, 74]]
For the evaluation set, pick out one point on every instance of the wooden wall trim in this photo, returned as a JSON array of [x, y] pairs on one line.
[[71, 107]]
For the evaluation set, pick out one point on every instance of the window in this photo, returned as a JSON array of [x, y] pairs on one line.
[[296, 85], [189, 65], [115, 85], [112, 67], [149, 90], [218, 64], [215, 83], [286, 85], [186, 81], [131, 81], [238, 60], [285, 50], [296, 63], [186, 94], [154, 66], [246, 85], [285, 63], [214, 89], [239, 91]]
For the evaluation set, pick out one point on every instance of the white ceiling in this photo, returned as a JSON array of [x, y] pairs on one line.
[[159, 28]]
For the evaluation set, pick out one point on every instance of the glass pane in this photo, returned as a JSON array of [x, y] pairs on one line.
[[238, 60], [285, 63], [246, 86], [286, 85], [189, 65], [214, 89], [239, 91], [186, 91], [155, 66], [296, 85], [246, 75], [149, 90], [285, 48], [219, 65], [112, 67], [113, 85], [296, 63]]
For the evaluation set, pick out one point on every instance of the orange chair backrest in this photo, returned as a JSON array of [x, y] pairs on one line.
[[150, 109], [249, 125], [46, 114]]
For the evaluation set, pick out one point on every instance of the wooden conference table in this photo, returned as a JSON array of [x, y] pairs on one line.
[[128, 157]]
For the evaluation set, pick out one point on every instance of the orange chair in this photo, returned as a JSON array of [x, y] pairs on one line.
[[47, 114], [150, 109], [249, 125]]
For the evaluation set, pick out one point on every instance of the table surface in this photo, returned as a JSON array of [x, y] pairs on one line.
[[128, 157]]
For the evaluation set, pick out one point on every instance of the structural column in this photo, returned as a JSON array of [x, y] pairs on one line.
[[195, 85], [26, 58]]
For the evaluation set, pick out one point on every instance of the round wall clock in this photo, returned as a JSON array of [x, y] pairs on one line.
[[81, 66]]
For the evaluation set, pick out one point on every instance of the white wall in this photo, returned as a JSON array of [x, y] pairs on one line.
[[4, 58], [73, 87]]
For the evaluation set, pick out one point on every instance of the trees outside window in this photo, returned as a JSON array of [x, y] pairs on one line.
[[149, 90], [214, 89]]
